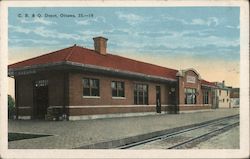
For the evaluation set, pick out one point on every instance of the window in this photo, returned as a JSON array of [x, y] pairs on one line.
[[219, 92], [190, 96], [223, 100], [141, 94], [117, 89], [90, 87], [205, 97], [227, 92]]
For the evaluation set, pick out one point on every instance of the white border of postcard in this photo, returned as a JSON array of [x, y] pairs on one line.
[[243, 152]]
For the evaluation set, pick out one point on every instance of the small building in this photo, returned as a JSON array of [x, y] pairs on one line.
[[222, 95], [80, 83], [235, 97]]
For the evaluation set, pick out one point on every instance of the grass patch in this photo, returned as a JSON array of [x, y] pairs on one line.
[[22, 136]]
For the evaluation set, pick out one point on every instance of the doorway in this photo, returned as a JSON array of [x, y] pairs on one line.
[[158, 99], [172, 100], [40, 99]]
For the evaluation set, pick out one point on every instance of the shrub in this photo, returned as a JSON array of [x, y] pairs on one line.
[[11, 107]]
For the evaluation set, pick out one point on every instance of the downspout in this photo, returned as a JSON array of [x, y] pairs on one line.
[[65, 95]]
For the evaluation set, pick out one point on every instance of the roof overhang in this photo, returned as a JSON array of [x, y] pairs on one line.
[[85, 67], [27, 70], [208, 86], [224, 88]]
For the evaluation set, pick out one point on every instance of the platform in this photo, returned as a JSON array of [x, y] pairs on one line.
[[75, 134]]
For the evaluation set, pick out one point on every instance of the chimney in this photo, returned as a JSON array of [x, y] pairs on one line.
[[223, 83], [100, 44]]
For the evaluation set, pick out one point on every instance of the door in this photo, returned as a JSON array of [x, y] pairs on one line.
[[40, 99], [158, 99], [172, 100]]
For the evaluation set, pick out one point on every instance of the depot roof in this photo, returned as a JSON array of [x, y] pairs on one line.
[[81, 55]]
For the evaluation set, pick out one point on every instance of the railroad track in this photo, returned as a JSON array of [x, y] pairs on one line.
[[186, 138]]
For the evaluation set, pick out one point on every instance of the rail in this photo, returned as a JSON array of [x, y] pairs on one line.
[[222, 121]]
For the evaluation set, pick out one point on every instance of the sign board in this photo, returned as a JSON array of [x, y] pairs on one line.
[[25, 72], [191, 79]]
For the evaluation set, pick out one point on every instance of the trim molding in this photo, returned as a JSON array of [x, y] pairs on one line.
[[113, 106], [105, 106], [195, 111], [119, 98], [87, 117], [91, 97], [24, 107], [24, 117], [195, 105], [55, 106]]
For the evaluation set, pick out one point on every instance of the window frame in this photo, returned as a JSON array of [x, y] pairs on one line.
[[193, 93], [205, 97], [141, 94], [117, 90], [92, 86]]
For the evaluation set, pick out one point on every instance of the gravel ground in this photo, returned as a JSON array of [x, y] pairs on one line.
[[227, 140]]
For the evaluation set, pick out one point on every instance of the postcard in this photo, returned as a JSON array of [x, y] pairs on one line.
[[114, 79]]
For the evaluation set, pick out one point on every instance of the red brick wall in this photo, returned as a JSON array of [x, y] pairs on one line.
[[184, 84], [76, 91]]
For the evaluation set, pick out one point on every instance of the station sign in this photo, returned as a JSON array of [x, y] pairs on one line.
[[25, 72], [191, 79]]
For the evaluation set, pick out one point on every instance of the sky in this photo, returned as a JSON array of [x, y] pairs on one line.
[[204, 38]]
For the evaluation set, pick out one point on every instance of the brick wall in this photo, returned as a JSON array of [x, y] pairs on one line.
[[184, 84], [76, 91], [199, 96], [74, 96]]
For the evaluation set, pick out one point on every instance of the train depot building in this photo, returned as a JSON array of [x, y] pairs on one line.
[[78, 83]]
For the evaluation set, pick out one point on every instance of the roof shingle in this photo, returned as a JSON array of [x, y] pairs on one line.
[[87, 56]]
